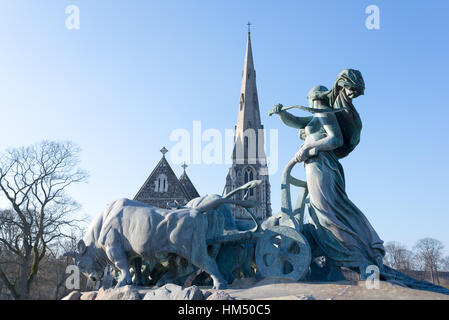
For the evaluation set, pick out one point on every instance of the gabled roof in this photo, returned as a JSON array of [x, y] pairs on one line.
[[175, 188], [188, 186], [181, 190]]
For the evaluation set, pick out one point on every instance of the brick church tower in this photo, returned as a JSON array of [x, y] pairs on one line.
[[248, 159]]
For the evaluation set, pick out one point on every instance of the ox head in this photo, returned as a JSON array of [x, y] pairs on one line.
[[214, 202], [87, 260]]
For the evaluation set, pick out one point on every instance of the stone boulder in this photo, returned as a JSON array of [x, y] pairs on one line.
[[90, 295], [74, 295], [305, 297], [122, 293], [219, 295], [174, 292]]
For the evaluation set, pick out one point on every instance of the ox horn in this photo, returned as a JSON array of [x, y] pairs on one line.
[[218, 202], [249, 185], [72, 254]]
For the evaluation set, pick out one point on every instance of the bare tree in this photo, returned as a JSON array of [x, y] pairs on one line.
[[398, 257], [34, 180], [59, 264], [445, 264], [429, 253]]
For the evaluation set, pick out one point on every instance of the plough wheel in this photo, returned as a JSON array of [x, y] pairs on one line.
[[283, 252]]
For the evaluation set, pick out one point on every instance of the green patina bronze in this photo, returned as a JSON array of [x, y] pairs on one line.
[[337, 230]]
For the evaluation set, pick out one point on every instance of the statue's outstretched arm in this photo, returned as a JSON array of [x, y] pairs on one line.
[[289, 119], [293, 121]]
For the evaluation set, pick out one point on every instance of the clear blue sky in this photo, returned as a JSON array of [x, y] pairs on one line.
[[137, 70]]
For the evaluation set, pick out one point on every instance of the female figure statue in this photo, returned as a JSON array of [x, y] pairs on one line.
[[338, 230]]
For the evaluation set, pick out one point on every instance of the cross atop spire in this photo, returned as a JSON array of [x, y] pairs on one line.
[[164, 151], [249, 26], [184, 166]]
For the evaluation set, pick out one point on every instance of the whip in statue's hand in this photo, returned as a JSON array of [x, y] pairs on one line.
[[276, 109]]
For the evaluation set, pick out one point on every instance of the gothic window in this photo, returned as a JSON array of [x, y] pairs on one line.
[[242, 101], [249, 176], [161, 183], [239, 177]]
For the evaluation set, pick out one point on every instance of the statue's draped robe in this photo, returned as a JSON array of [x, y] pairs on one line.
[[337, 226], [338, 229]]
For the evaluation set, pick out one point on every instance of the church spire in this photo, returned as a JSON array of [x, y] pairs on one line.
[[249, 114], [249, 161]]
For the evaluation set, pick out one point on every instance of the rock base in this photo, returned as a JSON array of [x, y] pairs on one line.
[[266, 289]]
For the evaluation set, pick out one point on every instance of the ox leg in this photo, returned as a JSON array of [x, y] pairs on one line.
[[210, 266], [138, 270], [118, 257], [199, 255]]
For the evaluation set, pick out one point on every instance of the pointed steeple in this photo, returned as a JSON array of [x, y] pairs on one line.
[[249, 161], [249, 114]]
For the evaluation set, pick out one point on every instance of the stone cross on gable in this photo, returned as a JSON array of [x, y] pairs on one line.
[[164, 151], [184, 166]]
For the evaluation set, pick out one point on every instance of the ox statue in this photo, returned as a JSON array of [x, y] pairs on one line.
[[128, 231]]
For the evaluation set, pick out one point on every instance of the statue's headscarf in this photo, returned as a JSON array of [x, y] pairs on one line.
[[349, 119]]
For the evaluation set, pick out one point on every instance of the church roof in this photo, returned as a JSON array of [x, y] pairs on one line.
[[188, 185], [163, 186]]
